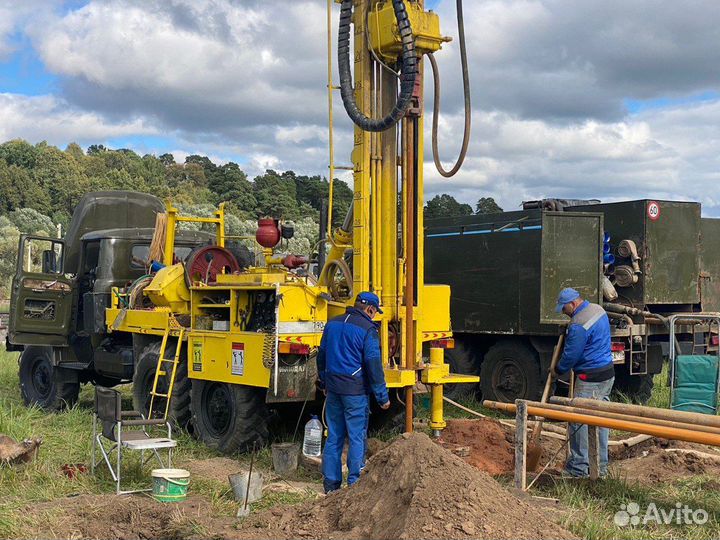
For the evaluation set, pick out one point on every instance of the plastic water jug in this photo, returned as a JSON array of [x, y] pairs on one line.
[[312, 441]]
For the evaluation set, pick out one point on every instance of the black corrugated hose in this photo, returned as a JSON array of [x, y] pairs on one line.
[[408, 62], [436, 101]]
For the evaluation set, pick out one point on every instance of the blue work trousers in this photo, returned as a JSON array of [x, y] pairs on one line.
[[346, 416], [578, 463]]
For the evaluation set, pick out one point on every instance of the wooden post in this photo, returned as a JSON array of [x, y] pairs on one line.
[[594, 452], [520, 444]]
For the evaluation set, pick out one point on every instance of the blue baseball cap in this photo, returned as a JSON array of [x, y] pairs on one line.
[[566, 296], [371, 299]]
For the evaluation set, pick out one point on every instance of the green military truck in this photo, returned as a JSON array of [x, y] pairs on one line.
[[643, 260], [61, 288]]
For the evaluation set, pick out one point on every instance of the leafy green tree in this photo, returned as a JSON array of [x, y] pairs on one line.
[[96, 149], [230, 184], [276, 195], [342, 199], [19, 152], [61, 176], [167, 159], [75, 151], [29, 221], [446, 206], [9, 237], [487, 205], [19, 190]]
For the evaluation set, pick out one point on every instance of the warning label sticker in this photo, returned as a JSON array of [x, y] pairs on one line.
[[238, 359], [197, 355]]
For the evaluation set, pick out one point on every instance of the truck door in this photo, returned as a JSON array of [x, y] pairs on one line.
[[42, 296], [571, 256]]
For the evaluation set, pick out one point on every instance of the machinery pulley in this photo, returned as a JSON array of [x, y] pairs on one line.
[[205, 263]]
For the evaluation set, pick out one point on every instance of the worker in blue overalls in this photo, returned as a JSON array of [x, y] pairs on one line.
[[588, 353], [349, 370]]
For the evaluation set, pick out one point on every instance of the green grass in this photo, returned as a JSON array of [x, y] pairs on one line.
[[67, 439], [594, 504]]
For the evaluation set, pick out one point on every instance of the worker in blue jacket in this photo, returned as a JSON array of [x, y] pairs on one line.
[[588, 353], [349, 370]]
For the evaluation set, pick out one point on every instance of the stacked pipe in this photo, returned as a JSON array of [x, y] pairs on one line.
[[663, 423]]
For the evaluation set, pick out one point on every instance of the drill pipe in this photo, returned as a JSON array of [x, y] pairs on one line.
[[625, 416], [687, 435], [639, 410]]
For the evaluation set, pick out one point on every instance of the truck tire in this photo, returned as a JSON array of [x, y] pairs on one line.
[[510, 370], [636, 387], [230, 418], [143, 379], [40, 383], [464, 360]]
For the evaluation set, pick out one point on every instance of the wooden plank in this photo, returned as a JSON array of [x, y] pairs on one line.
[[521, 444], [594, 451]]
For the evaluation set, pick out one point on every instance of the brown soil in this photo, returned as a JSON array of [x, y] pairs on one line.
[[658, 461], [128, 517], [218, 468], [413, 489], [485, 444], [410, 489]]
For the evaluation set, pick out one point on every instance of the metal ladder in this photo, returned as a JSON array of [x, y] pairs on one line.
[[160, 372], [700, 343]]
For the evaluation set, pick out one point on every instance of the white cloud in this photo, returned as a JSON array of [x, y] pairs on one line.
[[671, 153], [246, 81], [48, 118], [14, 14]]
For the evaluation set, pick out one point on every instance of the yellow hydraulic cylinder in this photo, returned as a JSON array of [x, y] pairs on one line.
[[437, 420]]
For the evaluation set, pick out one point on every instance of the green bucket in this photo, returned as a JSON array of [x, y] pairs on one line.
[[170, 485]]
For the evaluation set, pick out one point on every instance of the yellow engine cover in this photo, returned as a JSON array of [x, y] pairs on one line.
[[384, 35], [168, 289]]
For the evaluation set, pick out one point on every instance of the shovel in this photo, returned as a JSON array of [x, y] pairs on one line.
[[534, 450]]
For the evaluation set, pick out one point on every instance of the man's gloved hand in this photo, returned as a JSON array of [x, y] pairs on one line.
[[385, 406]]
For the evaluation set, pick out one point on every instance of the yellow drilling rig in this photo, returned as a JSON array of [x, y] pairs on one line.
[[235, 339]]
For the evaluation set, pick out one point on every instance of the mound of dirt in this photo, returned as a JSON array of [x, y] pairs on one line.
[[413, 489], [484, 444], [658, 464]]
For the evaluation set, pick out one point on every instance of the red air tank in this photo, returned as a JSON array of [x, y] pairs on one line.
[[268, 233]]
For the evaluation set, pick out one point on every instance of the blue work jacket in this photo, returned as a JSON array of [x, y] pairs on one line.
[[587, 342], [349, 360]]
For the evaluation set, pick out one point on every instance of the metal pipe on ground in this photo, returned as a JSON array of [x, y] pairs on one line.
[[639, 410], [625, 416], [687, 435]]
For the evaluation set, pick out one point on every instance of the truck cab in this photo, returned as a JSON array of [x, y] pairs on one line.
[[62, 287]]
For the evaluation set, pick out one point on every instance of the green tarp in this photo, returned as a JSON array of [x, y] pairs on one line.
[[696, 380]]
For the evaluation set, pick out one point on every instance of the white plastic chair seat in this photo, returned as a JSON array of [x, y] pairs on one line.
[[149, 444]]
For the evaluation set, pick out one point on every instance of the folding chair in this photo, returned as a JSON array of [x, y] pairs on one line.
[[109, 413], [695, 378]]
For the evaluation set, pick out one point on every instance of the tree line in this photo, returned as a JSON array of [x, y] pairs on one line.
[[40, 185], [51, 181]]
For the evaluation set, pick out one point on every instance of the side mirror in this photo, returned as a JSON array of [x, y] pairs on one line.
[[49, 262]]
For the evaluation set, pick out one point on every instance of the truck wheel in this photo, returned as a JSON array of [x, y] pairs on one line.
[[41, 383], [510, 371], [229, 417], [143, 382], [636, 387], [463, 360]]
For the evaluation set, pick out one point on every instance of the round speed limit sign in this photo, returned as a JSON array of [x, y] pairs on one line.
[[653, 210]]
